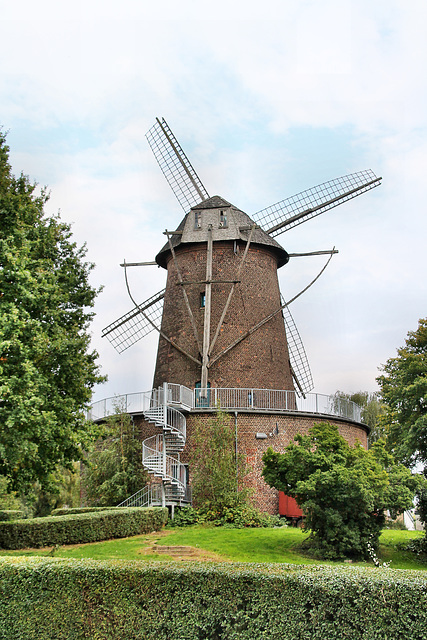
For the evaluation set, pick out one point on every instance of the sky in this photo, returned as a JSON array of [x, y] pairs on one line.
[[267, 100]]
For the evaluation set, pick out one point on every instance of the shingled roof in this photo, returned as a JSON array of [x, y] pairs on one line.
[[237, 228]]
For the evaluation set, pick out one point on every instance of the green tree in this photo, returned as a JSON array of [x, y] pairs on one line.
[[403, 389], [8, 499], [217, 474], [65, 492], [372, 410], [114, 468], [343, 491], [47, 371]]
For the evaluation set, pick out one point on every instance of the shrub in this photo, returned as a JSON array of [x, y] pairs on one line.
[[186, 517], [397, 525], [236, 516], [66, 511], [343, 490], [418, 547], [52, 599], [217, 476], [81, 528], [10, 514], [114, 470]]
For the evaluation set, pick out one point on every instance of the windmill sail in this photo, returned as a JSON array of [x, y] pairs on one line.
[[303, 206], [135, 324], [299, 362], [175, 166]]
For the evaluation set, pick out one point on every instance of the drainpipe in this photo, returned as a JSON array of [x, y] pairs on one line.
[[235, 441]]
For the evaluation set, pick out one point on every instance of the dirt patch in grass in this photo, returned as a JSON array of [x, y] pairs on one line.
[[177, 552], [182, 553]]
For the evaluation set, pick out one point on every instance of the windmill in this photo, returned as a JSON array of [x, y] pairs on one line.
[[221, 319]]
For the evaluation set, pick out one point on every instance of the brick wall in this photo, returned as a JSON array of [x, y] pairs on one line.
[[260, 360], [249, 423]]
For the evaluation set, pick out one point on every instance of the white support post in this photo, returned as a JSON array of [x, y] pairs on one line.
[[163, 494], [207, 319], [165, 416]]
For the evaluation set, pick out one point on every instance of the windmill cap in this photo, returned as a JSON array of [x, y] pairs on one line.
[[228, 223]]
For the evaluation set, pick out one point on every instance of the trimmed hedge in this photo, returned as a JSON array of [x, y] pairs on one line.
[[81, 528], [10, 514], [69, 511], [54, 599]]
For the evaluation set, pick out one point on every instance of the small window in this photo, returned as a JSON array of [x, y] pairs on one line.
[[197, 220], [222, 219], [202, 300]]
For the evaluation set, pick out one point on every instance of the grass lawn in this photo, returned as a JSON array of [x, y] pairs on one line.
[[221, 544]]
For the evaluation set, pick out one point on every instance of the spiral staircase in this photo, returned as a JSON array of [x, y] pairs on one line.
[[161, 452]]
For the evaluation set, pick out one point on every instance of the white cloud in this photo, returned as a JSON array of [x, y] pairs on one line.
[[248, 88]]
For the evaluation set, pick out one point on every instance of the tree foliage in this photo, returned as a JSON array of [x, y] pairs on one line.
[[114, 469], [372, 410], [8, 499], [47, 370], [216, 473], [343, 491], [403, 389], [64, 492]]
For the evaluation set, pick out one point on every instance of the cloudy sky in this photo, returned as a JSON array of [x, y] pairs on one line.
[[267, 99]]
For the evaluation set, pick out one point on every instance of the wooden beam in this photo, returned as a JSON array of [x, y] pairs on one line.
[[313, 253], [267, 318], [207, 319], [175, 346], [138, 264], [230, 295]]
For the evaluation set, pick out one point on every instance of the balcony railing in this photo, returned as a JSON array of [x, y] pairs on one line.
[[228, 399]]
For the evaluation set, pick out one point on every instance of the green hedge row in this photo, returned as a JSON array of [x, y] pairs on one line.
[[81, 528], [54, 599], [68, 511], [10, 514]]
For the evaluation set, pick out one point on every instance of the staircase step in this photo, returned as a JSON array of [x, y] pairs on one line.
[[174, 443]]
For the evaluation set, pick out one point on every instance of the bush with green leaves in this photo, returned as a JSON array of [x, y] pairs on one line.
[[69, 512], [344, 491], [419, 547], [53, 599], [186, 517], [10, 514], [237, 517], [81, 528], [217, 474], [8, 499], [372, 410], [113, 467]]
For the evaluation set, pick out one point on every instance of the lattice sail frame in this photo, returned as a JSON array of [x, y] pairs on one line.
[[175, 166], [297, 355], [133, 325], [275, 219], [289, 213]]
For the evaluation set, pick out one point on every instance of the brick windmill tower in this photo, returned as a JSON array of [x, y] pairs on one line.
[[222, 282], [224, 329]]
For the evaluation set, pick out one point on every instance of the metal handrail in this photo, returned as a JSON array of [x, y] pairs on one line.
[[151, 495], [276, 400], [141, 498], [225, 398], [169, 468]]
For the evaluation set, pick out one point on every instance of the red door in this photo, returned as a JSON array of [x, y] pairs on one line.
[[288, 506]]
